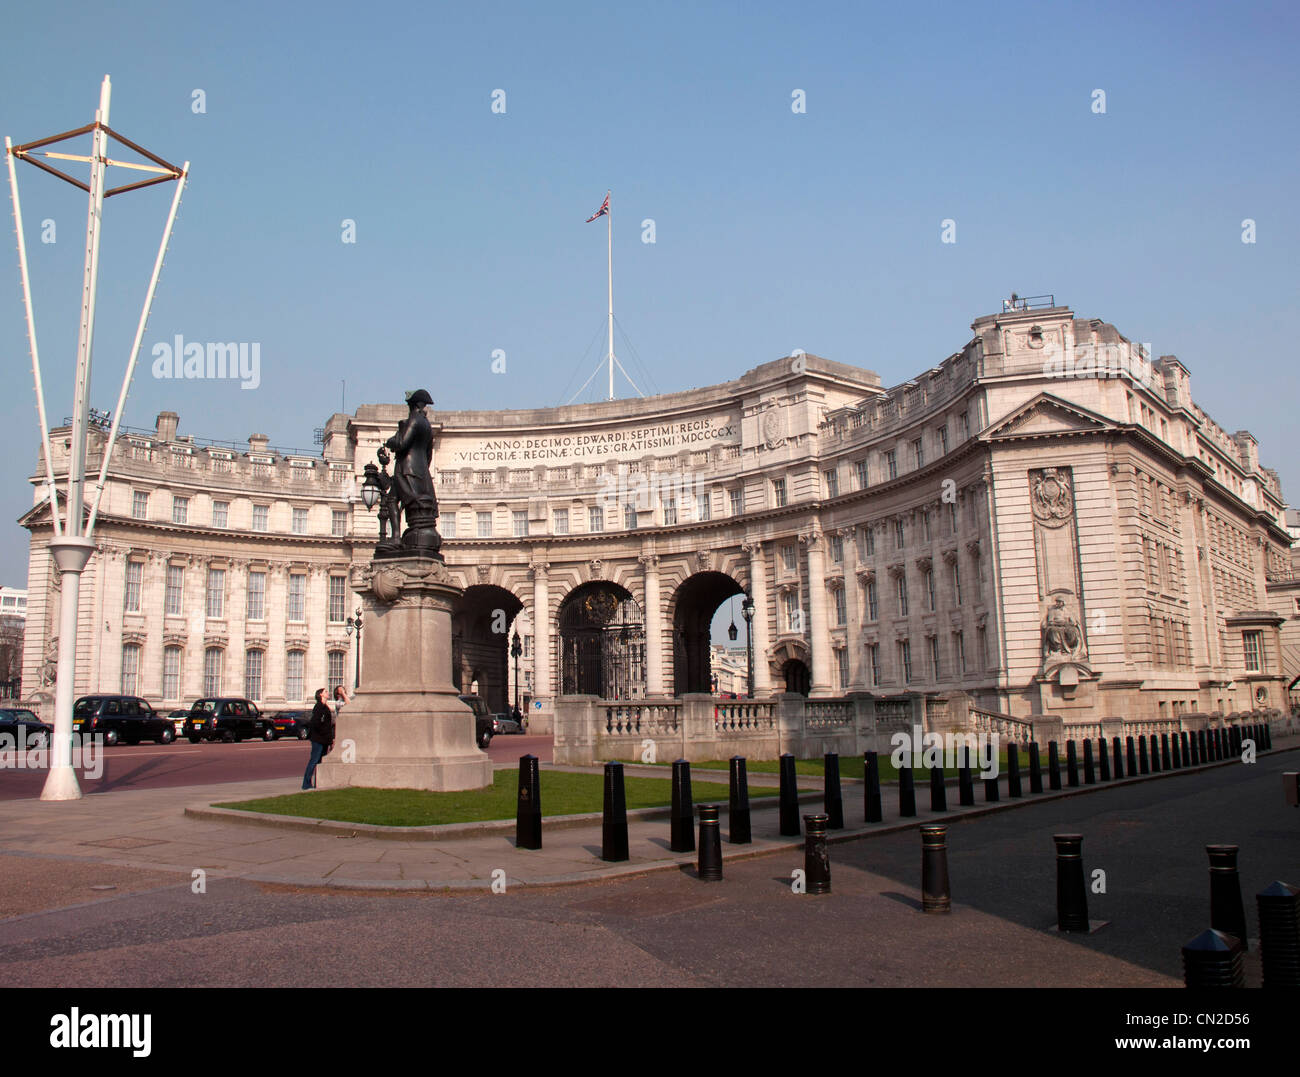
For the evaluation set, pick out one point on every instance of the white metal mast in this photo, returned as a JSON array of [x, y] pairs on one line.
[[609, 220], [73, 543]]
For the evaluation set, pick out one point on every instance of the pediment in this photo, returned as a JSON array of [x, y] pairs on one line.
[[1046, 416]]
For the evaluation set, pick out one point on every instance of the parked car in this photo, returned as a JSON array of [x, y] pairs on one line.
[[178, 721], [482, 719], [25, 728], [503, 723], [229, 719], [120, 720], [290, 724]]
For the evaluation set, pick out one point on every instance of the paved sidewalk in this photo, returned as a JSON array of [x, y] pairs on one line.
[[174, 830]]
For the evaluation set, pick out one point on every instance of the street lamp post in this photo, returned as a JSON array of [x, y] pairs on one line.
[[516, 649], [355, 622], [747, 611]]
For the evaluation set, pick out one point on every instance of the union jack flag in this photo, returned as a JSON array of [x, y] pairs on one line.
[[604, 208]]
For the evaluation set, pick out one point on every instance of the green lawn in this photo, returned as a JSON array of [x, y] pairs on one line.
[[563, 793]]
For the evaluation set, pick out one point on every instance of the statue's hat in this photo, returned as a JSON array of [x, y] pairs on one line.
[[420, 396]]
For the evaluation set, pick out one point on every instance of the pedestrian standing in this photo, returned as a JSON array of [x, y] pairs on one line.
[[320, 731], [341, 699]]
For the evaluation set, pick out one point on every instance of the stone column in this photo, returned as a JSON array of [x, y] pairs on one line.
[[541, 631], [853, 615], [654, 636], [759, 625], [819, 637]]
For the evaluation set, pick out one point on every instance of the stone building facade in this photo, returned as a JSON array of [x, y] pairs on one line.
[[1044, 520]]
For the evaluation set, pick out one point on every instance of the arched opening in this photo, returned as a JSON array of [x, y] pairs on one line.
[[602, 642], [480, 643], [694, 604], [798, 678]]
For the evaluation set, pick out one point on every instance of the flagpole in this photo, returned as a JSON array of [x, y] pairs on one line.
[[610, 239]]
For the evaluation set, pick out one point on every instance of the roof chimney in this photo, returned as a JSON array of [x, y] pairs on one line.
[[165, 425]]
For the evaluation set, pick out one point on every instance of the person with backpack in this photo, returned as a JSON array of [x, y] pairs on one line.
[[320, 731]]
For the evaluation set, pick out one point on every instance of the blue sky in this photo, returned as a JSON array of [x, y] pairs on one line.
[[774, 230]]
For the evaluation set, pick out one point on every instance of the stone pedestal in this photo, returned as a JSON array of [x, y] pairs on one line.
[[406, 728]]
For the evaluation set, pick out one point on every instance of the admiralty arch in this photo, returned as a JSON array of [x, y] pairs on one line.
[[1044, 520]]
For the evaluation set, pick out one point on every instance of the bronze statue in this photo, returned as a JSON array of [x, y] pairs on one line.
[[411, 484]]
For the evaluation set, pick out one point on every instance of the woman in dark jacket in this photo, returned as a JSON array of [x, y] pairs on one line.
[[320, 731]]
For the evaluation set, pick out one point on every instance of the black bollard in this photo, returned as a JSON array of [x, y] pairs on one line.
[[1227, 913], [682, 824], [1279, 934], [708, 865], [1144, 766], [935, 894], [528, 812], [1071, 764], [1268, 737], [871, 790], [738, 804], [1155, 755], [1198, 746], [1216, 748], [613, 829], [1213, 959], [1234, 741], [789, 798], [1166, 761], [1176, 753], [1119, 757], [1103, 759], [1132, 758], [1187, 748], [1089, 774], [1071, 893], [1013, 771], [906, 792], [990, 789], [965, 784], [1053, 766], [1035, 769], [938, 790], [832, 799], [816, 859]]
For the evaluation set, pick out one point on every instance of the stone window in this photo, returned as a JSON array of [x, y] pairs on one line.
[[1252, 645], [171, 674], [873, 659], [483, 521], [260, 513], [935, 668], [941, 433], [180, 510], [842, 669], [338, 600], [703, 507], [216, 605], [335, 662], [256, 596], [140, 505], [595, 519], [296, 597], [519, 522], [220, 513], [870, 541], [873, 601], [131, 597], [832, 482], [905, 659], [793, 614], [561, 517], [213, 659], [629, 517], [130, 669], [778, 493], [918, 452], [737, 499], [788, 559], [836, 543], [293, 675], [253, 674], [448, 525], [959, 651], [670, 511], [338, 523], [956, 583], [900, 590], [841, 609], [891, 464], [900, 534], [175, 590], [300, 521], [863, 476], [929, 589]]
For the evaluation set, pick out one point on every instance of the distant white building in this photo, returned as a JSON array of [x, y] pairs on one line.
[[13, 602]]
